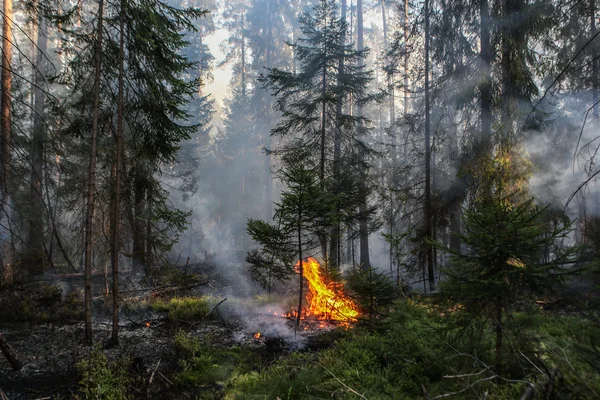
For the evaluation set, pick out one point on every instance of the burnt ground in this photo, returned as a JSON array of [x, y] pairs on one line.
[[50, 352]]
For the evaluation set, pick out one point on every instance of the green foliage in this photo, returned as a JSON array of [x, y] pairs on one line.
[[185, 308], [512, 254], [374, 291], [413, 347], [302, 215], [103, 379], [40, 304], [203, 365]]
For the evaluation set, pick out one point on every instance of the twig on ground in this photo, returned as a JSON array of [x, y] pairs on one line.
[[342, 383], [151, 378]]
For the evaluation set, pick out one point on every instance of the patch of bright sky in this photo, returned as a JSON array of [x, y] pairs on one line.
[[219, 87]]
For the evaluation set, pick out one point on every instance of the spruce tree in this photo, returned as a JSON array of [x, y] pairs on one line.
[[301, 217], [309, 99], [507, 260]]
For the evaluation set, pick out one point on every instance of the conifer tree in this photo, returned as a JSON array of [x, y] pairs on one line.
[[300, 219], [309, 99], [507, 260]]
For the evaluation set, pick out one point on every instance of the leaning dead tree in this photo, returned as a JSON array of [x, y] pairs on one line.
[[10, 354]]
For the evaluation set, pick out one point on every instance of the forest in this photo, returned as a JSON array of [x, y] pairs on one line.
[[300, 199]]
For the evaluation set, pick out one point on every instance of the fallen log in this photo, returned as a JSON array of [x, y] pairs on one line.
[[10, 354]]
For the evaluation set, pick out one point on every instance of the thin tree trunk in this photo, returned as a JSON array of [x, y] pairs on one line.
[[6, 138], [485, 87], [595, 77], [243, 57], [499, 334], [116, 225], [301, 271], [363, 221], [392, 132], [89, 222], [323, 237], [334, 249], [36, 227], [268, 121], [428, 209], [139, 254]]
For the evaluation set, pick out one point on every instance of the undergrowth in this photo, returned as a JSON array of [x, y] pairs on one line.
[[103, 379], [185, 308], [417, 352]]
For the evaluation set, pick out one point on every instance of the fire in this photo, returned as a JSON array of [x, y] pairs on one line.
[[147, 324], [257, 335], [325, 299]]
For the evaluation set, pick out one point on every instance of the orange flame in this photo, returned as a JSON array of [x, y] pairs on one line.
[[257, 335], [147, 324], [325, 299]]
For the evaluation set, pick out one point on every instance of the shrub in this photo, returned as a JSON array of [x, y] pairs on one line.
[[102, 379], [185, 308]]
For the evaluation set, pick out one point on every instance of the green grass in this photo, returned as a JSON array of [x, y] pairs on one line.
[[187, 309], [419, 344]]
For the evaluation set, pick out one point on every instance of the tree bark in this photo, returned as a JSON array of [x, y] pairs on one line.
[[428, 208], [89, 224], [139, 206], [268, 121], [485, 87], [36, 228], [595, 77], [392, 132], [6, 140], [116, 225], [364, 220], [334, 249], [499, 333], [301, 271]]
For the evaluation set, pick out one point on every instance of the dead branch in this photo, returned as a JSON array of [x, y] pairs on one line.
[[215, 307], [9, 353], [477, 382], [342, 383], [151, 378]]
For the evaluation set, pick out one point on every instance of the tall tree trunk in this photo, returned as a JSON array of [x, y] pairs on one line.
[[116, 225], [139, 206], [36, 227], [301, 271], [323, 237], [392, 132], [428, 208], [6, 140], [334, 249], [485, 87], [363, 221], [89, 221], [595, 77], [268, 121], [499, 332], [243, 56]]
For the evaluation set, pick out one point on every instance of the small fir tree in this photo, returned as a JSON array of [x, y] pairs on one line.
[[507, 260], [302, 215]]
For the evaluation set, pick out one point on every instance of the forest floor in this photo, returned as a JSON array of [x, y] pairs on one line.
[[190, 342], [183, 344]]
